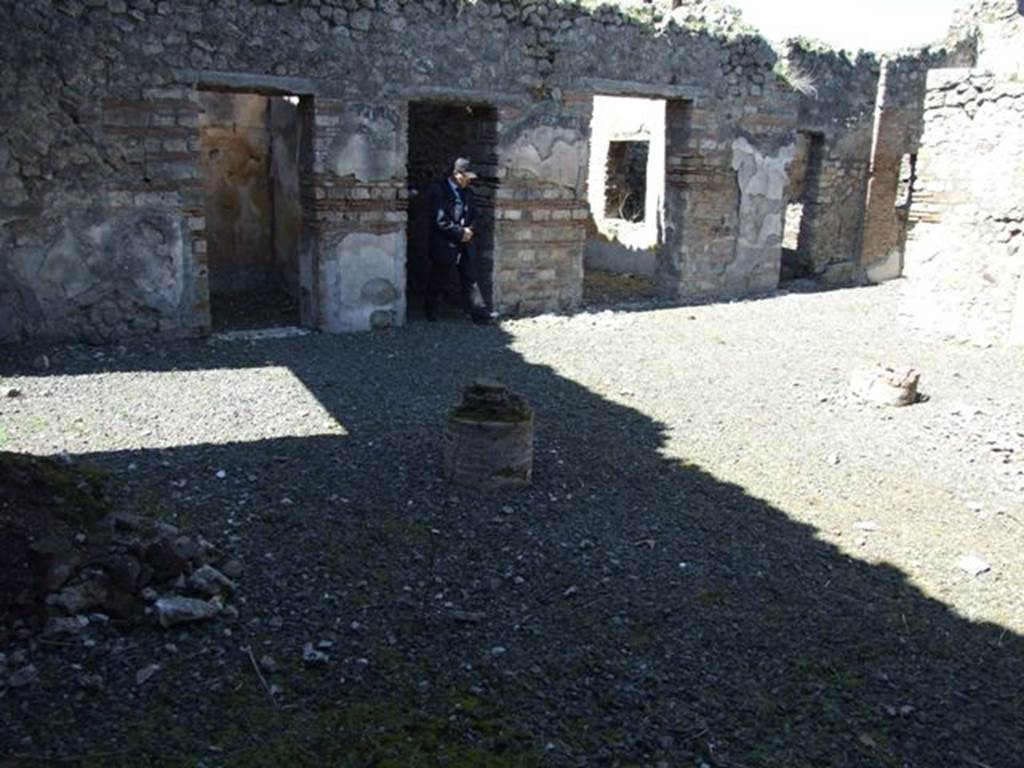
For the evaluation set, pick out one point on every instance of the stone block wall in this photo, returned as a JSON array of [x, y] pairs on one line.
[[837, 108], [102, 225], [965, 251], [899, 123], [996, 29], [541, 206]]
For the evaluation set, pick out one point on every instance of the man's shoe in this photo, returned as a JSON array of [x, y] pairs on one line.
[[483, 317]]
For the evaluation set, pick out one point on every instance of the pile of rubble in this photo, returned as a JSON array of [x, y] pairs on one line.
[[131, 569]]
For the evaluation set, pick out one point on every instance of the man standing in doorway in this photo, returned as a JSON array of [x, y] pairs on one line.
[[453, 212]]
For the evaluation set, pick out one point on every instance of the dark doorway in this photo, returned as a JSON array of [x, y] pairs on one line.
[[438, 134], [251, 146], [803, 195]]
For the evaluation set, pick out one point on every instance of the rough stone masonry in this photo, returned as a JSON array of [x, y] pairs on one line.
[[105, 230]]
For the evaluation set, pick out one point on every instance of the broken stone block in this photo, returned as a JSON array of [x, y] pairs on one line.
[[71, 625], [210, 582], [169, 558], [84, 596], [886, 386], [124, 571], [180, 610], [121, 603], [23, 677], [488, 439], [54, 561]]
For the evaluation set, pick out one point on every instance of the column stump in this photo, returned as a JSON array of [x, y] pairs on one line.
[[488, 439]]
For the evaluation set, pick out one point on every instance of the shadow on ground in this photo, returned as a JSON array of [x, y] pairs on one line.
[[625, 610]]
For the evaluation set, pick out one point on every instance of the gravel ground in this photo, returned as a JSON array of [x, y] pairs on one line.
[[724, 559]]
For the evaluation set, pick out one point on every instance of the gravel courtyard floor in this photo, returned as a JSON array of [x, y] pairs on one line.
[[724, 558]]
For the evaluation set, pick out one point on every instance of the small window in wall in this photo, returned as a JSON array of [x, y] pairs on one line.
[[626, 180], [908, 175]]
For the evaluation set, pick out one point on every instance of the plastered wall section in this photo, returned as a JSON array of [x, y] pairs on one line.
[[360, 214], [965, 250], [102, 228], [123, 258]]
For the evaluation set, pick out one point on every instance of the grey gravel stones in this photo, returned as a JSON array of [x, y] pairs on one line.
[[313, 657], [23, 677]]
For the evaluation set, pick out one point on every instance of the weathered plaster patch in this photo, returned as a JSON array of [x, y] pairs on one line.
[[370, 147], [548, 153], [762, 183], [364, 279]]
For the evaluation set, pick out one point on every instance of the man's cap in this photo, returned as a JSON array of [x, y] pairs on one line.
[[462, 166]]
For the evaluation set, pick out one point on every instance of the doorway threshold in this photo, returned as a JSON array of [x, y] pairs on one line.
[[262, 334]]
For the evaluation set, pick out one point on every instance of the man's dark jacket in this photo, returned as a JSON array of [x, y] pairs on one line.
[[446, 229]]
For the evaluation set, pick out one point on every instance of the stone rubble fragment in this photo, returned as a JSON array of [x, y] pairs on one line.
[[171, 611], [886, 386], [973, 565], [82, 597], [59, 625], [23, 677], [312, 657], [146, 673], [94, 683], [208, 581]]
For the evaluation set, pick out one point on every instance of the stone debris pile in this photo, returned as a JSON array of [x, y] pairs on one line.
[[130, 569]]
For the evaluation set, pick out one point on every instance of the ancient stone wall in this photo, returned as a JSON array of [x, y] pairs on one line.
[[837, 108], [996, 28], [965, 251], [101, 195], [899, 123]]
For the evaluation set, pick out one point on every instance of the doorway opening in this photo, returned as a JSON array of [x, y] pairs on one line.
[[438, 134], [253, 154], [803, 193]]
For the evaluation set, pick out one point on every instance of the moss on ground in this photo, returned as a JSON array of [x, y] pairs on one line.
[[255, 733]]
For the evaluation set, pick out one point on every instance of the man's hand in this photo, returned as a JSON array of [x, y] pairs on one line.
[[467, 234]]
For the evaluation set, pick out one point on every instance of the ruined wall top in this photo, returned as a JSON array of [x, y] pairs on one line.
[[996, 27]]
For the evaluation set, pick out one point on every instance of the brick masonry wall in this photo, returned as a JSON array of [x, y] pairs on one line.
[[965, 252], [899, 123]]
